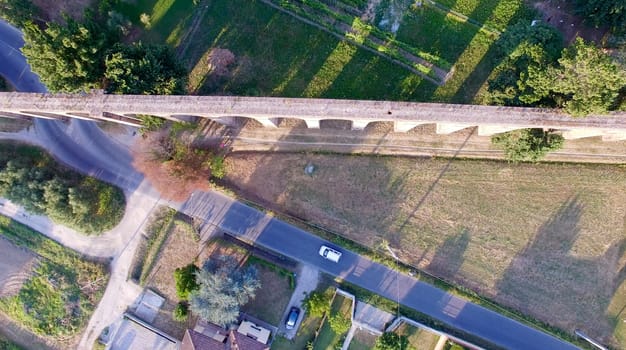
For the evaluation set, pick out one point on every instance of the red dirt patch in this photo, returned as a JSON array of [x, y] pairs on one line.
[[559, 14], [161, 175]]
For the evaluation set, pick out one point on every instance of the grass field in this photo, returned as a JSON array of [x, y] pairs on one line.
[[272, 298], [497, 14], [164, 20], [306, 62], [363, 340], [420, 339], [545, 239]]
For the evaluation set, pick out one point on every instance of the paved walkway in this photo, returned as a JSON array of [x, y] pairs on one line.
[[372, 317], [306, 282]]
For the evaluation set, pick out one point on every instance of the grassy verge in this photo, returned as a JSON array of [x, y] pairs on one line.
[[64, 290], [148, 252]]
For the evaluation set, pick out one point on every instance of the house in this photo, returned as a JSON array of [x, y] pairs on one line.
[[207, 336], [133, 333]]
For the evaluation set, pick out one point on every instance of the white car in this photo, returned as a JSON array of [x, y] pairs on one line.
[[330, 253]]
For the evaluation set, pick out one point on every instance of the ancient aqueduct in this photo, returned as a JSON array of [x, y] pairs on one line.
[[267, 110]]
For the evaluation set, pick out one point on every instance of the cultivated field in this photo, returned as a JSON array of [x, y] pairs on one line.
[[546, 239], [15, 267], [61, 291]]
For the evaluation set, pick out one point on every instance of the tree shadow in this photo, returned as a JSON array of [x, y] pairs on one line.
[[550, 280], [449, 256]]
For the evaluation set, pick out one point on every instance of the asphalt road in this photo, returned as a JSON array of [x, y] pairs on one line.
[[83, 146]]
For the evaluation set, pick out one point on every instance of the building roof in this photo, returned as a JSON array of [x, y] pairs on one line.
[[197, 341], [133, 333], [254, 331], [240, 341], [207, 336]]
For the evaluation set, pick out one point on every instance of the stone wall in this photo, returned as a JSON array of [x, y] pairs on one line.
[[405, 115]]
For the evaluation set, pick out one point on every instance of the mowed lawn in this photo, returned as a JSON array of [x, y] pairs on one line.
[[546, 239]]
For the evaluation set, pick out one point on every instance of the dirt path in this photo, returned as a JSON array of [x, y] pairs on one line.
[[422, 141], [559, 14]]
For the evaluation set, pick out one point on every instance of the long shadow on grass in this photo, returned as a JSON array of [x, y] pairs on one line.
[[449, 256], [300, 61], [551, 281], [274, 53], [397, 237]]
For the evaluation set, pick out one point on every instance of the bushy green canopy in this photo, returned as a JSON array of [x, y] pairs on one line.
[[611, 13], [223, 287], [527, 144], [144, 69], [70, 57]]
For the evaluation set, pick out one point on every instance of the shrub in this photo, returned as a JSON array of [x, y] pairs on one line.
[[185, 278], [528, 144], [392, 341], [339, 323], [181, 311], [317, 304]]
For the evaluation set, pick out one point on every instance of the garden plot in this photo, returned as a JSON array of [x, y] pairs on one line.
[[16, 266]]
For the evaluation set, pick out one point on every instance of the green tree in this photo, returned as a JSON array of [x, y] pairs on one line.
[[599, 13], [392, 341], [339, 323], [527, 144], [69, 57], [223, 288], [18, 12], [181, 311], [586, 80], [185, 278], [317, 304], [522, 46], [144, 69], [41, 186], [150, 123]]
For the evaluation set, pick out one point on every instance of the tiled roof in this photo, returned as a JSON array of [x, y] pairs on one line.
[[239, 341], [196, 341]]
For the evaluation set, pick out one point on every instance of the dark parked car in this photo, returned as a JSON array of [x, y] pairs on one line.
[[292, 318]]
